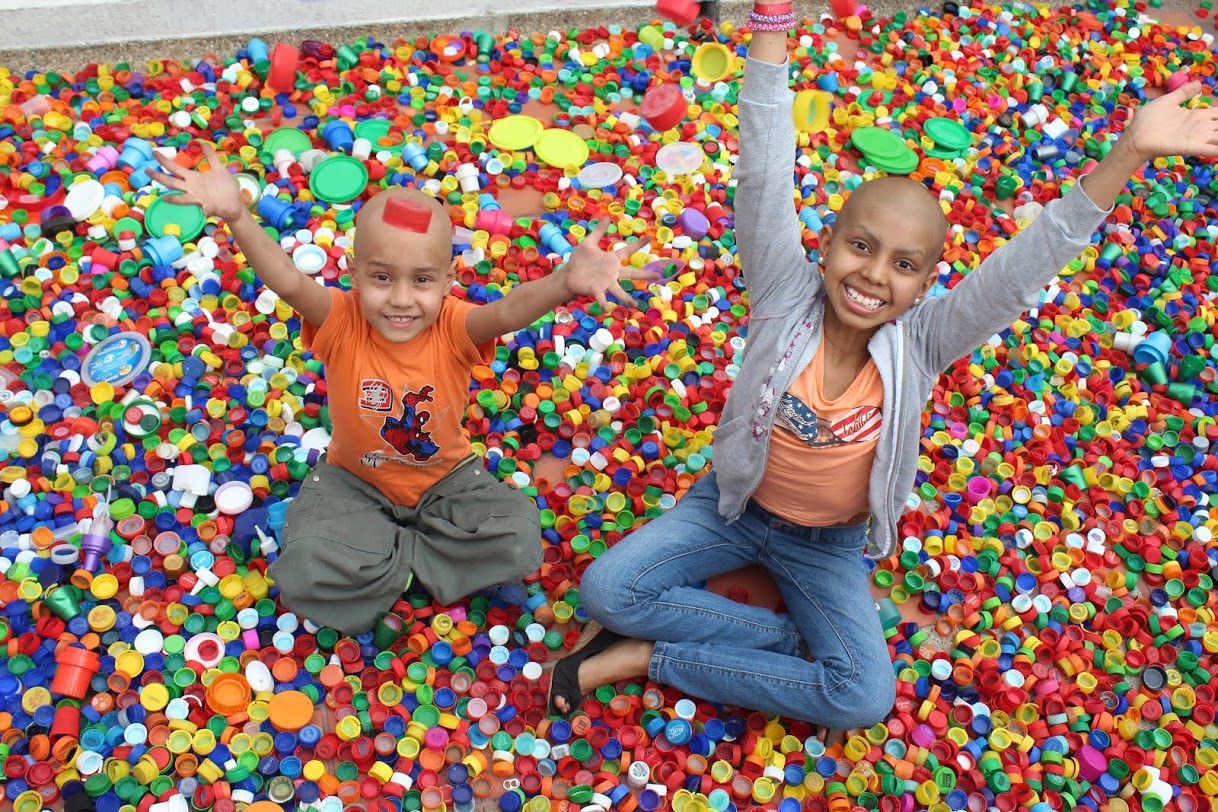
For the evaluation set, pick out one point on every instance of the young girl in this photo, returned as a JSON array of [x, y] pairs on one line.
[[817, 445]]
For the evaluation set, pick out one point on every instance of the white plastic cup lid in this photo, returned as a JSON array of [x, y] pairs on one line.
[[309, 258], [233, 497], [84, 199]]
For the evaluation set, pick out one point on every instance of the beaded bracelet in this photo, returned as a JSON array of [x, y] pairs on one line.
[[771, 23], [770, 18]]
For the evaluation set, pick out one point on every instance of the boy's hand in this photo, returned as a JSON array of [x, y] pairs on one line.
[[592, 271], [1163, 127], [216, 192]]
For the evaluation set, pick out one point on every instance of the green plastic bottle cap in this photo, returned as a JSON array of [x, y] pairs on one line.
[[293, 140], [339, 179], [163, 213], [901, 164], [948, 133], [878, 143], [373, 129], [128, 224]]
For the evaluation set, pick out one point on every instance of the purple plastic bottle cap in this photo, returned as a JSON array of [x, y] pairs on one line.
[[694, 224]]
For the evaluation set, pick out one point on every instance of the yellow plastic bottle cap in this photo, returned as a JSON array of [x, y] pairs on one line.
[[348, 728], [515, 132], [104, 586], [812, 110], [130, 662], [102, 618], [102, 393], [314, 770], [561, 149], [154, 697], [712, 61]]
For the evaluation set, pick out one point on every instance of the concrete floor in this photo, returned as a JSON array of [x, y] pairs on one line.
[[138, 52]]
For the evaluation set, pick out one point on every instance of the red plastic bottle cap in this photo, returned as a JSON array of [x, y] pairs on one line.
[[681, 12], [41, 774], [76, 668], [664, 106], [282, 75], [843, 8], [407, 215]]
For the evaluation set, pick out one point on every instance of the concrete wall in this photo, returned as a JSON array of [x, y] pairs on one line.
[[60, 23]]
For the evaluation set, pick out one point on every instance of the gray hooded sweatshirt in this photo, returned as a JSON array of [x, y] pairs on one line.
[[786, 309]]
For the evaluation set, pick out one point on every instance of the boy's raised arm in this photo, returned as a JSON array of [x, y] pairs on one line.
[[219, 196], [591, 271]]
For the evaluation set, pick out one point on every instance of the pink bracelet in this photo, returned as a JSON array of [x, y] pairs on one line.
[[771, 23]]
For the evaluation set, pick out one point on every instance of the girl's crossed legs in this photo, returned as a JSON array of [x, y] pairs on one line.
[[717, 649]]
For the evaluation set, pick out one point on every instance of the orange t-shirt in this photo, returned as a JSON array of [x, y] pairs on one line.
[[396, 409], [821, 450]]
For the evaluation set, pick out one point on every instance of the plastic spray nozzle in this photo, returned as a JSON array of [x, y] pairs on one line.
[[96, 543]]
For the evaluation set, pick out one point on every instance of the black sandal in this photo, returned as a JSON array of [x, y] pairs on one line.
[[564, 677]]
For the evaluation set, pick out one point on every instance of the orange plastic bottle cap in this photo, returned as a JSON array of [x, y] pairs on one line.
[[290, 710], [264, 806], [228, 694]]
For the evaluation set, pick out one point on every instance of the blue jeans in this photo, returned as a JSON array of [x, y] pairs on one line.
[[714, 648]]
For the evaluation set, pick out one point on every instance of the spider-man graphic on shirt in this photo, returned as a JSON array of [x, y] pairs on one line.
[[406, 433]]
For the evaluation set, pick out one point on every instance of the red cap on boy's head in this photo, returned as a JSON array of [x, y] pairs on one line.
[[406, 215]]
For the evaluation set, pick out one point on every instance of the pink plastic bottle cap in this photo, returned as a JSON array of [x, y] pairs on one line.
[[1177, 80], [493, 221]]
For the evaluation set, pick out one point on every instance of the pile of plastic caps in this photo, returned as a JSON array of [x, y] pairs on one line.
[[158, 414]]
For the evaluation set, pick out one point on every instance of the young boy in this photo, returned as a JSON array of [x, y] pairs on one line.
[[817, 447], [399, 494]]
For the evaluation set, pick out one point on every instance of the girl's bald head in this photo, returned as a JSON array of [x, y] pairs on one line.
[[870, 200]]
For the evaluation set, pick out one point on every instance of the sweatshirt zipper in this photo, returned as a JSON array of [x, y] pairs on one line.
[[896, 413]]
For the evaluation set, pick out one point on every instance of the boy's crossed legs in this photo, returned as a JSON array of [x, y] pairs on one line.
[[348, 552]]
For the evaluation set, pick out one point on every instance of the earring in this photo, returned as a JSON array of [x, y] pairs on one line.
[[917, 301]]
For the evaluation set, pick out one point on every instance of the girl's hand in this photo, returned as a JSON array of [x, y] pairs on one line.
[[592, 271], [216, 192], [1164, 127]]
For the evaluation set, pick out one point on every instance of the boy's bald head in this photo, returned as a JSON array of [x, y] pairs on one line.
[[399, 212], [899, 191]]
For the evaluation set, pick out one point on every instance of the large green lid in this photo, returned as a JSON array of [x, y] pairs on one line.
[[163, 213], [339, 179]]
